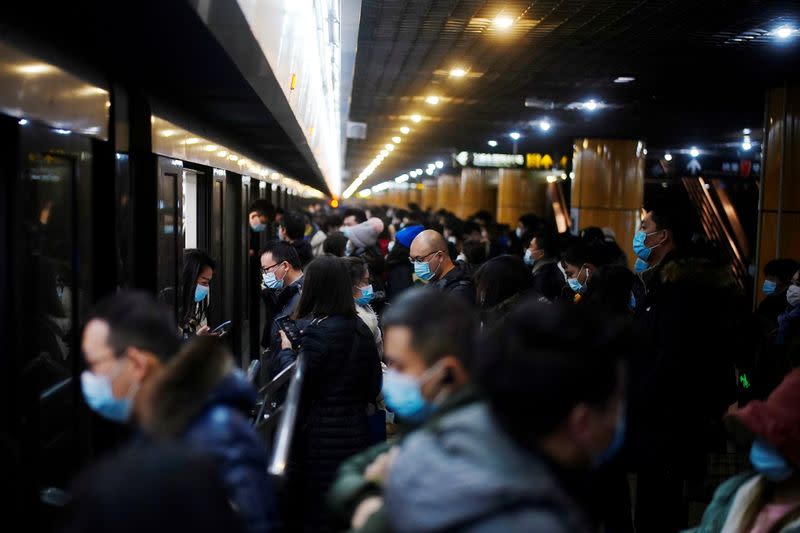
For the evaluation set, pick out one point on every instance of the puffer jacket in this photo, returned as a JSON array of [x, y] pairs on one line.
[[343, 375], [202, 400], [458, 281]]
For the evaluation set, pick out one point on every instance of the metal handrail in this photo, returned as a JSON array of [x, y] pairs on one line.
[[268, 391], [283, 442]]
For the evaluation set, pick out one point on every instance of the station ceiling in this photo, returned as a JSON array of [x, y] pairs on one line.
[[699, 69]]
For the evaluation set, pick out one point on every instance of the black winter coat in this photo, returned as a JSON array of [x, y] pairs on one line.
[[548, 280], [459, 282], [343, 375]]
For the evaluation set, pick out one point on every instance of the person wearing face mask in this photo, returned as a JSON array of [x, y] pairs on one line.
[[526, 459], [789, 321], [542, 256], [429, 345], [767, 498], [130, 347], [198, 270], [432, 265], [282, 279], [777, 279], [362, 295], [581, 260]]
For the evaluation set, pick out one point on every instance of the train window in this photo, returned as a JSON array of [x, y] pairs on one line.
[[190, 208], [169, 226]]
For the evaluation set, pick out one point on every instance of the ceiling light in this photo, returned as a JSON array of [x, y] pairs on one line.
[[644, 151], [694, 152], [515, 135], [389, 147], [746, 131], [667, 157], [416, 118], [22, 121], [492, 143], [746, 145], [413, 173], [458, 73], [591, 105], [222, 153], [624, 79], [396, 140], [61, 131], [503, 22], [544, 125], [192, 140], [432, 100], [210, 147], [402, 178], [168, 133], [429, 172], [439, 164], [384, 153], [784, 32], [405, 130], [419, 171], [34, 68]]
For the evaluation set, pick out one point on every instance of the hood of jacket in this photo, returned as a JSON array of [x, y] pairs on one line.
[[466, 471], [190, 384]]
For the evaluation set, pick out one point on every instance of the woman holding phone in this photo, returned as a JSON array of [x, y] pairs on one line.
[[343, 376], [195, 292]]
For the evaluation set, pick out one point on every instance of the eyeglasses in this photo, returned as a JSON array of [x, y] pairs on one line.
[[422, 260], [267, 269]]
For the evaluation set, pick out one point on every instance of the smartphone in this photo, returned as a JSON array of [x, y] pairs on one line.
[[222, 329], [291, 329]]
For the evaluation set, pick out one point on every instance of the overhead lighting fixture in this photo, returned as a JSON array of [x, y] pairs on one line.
[[192, 140], [429, 172], [515, 135], [458, 73], [544, 124], [746, 145], [34, 68], [644, 151], [62, 131], [492, 143], [210, 147], [746, 131], [694, 152], [419, 171], [784, 32], [667, 157], [591, 105], [413, 173], [405, 130], [624, 79], [396, 139], [222, 153], [503, 22], [168, 133], [22, 121], [416, 118], [389, 147], [384, 153], [439, 164], [432, 100], [402, 178]]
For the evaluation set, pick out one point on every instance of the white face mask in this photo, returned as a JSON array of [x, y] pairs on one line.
[[793, 295]]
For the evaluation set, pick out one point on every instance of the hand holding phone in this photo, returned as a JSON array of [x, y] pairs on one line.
[[292, 331], [222, 329]]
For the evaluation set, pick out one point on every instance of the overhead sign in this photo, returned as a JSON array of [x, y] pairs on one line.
[[490, 160]]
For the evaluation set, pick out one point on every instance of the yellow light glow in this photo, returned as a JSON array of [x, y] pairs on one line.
[[503, 22], [222, 153], [416, 118], [168, 133], [389, 147], [233, 157], [210, 147], [405, 130], [34, 68], [458, 73], [432, 100], [192, 140], [396, 140]]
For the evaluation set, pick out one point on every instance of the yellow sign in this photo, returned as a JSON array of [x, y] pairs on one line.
[[543, 161]]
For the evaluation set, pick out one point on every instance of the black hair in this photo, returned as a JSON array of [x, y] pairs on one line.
[[783, 269], [327, 290], [331, 221], [484, 216], [360, 215], [500, 278], [440, 324], [474, 250], [194, 261], [136, 320], [335, 244], [531, 221], [582, 252], [671, 210], [356, 266], [552, 355], [294, 224], [155, 488], [263, 207], [547, 240], [592, 234], [282, 251], [609, 289], [470, 227]]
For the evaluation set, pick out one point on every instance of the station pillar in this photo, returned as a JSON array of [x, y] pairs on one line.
[[429, 194], [519, 191], [476, 192], [779, 195], [448, 191], [608, 187]]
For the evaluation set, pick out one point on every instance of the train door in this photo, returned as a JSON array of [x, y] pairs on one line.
[[169, 238]]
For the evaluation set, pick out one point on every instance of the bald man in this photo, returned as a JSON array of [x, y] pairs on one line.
[[432, 264]]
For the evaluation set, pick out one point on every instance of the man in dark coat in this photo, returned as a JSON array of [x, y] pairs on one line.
[[432, 264], [542, 254]]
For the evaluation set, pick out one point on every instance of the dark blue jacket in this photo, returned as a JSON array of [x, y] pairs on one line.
[[206, 403]]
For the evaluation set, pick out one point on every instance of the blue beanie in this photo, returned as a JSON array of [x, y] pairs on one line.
[[407, 235]]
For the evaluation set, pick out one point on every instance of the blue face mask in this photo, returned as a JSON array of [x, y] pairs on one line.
[[616, 442], [200, 293], [639, 248], [769, 287], [769, 462], [366, 295], [528, 258], [576, 285], [258, 228], [640, 265], [100, 397], [271, 281], [403, 396], [422, 270]]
